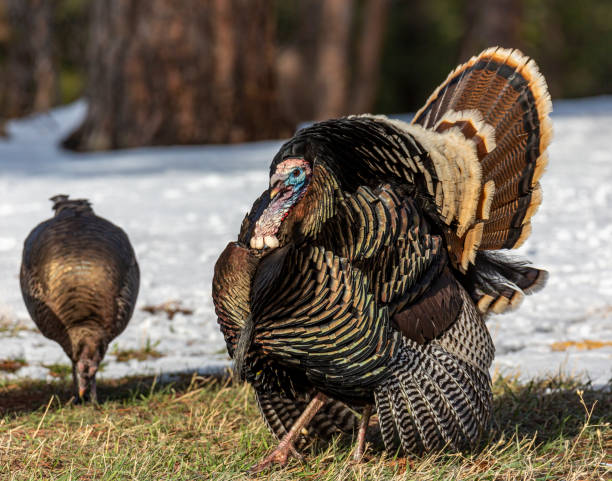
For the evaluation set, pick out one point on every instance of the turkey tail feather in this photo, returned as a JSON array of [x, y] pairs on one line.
[[497, 283], [499, 102]]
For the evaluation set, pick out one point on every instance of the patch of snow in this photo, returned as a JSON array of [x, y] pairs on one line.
[[181, 205]]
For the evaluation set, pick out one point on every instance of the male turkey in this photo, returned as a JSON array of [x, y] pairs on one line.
[[363, 274], [79, 280]]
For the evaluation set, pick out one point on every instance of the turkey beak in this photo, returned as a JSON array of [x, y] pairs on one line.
[[83, 388], [276, 185], [274, 191]]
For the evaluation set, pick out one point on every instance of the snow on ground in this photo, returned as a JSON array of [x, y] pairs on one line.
[[181, 205]]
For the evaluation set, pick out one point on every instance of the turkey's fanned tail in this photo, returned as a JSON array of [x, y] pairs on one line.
[[499, 103]]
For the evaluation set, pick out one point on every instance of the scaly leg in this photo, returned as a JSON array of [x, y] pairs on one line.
[[93, 393], [363, 426], [75, 381], [281, 454]]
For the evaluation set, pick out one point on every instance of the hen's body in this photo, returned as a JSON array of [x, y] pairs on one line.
[[372, 285], [79, 280]]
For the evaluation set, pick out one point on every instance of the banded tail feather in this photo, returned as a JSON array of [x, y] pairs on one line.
[[498, 283], [498, 101]]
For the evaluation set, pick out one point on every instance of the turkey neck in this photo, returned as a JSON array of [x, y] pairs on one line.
[[310, 214], [88, 331]]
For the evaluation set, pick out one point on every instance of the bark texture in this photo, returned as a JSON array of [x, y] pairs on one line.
[[179, 72], [332, 69], [28, 79], [370, 45], [331, 66]]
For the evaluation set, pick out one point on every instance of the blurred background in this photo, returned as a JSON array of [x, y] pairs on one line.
[[164, 72]]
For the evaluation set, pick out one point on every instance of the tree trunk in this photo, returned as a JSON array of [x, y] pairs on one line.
[[29, 81], [296, 64], [368, 61], [491, 23], [332, 70], [179, 72], [315, 76]]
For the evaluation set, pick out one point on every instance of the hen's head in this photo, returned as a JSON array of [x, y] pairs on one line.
[[88, 355]]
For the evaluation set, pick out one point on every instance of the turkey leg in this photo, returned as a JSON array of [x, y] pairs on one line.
[[363, 426], [281, 454], [75, 381]]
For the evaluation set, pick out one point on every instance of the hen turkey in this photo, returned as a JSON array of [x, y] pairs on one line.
[[79, 280], [363, 275]]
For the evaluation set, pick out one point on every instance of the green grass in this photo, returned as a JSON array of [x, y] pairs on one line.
[[61, 371], [200, 428]]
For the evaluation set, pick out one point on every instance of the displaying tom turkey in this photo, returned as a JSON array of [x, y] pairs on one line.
[[79, 280], [363, 275]]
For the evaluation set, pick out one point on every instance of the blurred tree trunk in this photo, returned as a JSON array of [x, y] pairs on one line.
[[491, 23], [28, 80], [332, 70], [315, 77], [370, 50], [296, 64], [179, 72]]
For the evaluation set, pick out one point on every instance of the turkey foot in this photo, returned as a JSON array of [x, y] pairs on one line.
[[281, 454], [363, 426]]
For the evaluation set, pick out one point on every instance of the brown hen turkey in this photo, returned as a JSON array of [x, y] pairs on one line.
[[363, 275], [79, 280]]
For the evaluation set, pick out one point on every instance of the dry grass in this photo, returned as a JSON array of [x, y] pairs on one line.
[[60, 371], [170, 308], [12, 365], [210, 429], [142, 354], [12, 327], [580, 345]]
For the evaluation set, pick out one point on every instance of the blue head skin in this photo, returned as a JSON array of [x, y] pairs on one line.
[[288, 184], [288, 177]]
